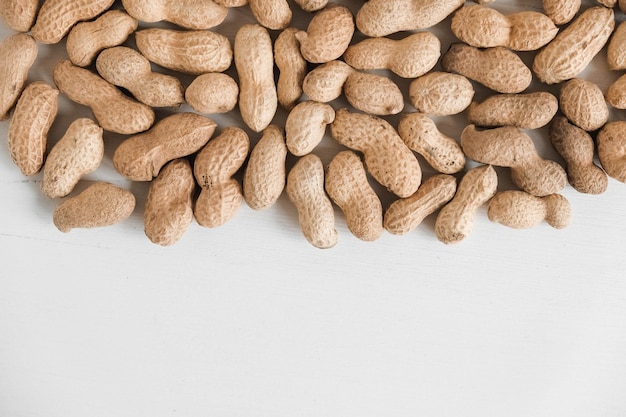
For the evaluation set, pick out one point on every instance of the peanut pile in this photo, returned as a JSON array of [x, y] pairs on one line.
[[199, 170]]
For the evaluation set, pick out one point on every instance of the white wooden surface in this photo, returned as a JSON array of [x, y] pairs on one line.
[[249, 319]]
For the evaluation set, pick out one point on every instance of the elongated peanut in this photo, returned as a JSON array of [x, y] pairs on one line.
[[526, 111], [169, 206], [616, 94], [19, 15], [306, 125], [141, 157], [347, 186], [28, 130], [405, 214], [77, 153], [99, 205], [420, 133], [456, 219], [577, 148], [409, 57], [113, 110], [384, 17], [498, 68], [583, 103], [17, 55], [520, 210], [616, 50], [189, 14], [311, 5], [575, 46], [561, 11], [292, 68], [305, 189], [87, 39], [611, 142], [509, 146], [192, 52], [214, 166], [258, 100], [272, 14], [328, 35], [56, 17], [387, 158], [214, 92], [441, 93], [265, 176]]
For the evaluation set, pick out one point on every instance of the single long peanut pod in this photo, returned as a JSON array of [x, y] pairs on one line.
[[56, 17], [481, 26], [113, 110], [214, 92], [405, 214], [616, 94], [305, 189], [611, 142], [19, 15], [616, 50], [34, 113], [347, 186], [577, 149], [526, 111], [328, 35], [265, 176], [384, 17], [189, 14], [17, 55], [306, 125], [292, 68], [530, 30], [99, 205], [380, 144], [311, 5], [456, 219], [325, 82], [258, 100], [575, 46], [561, 11], [583, 103], [220, 196], [190, 51], [169, 206], [141, 157], [272, 14], [498, 68], [441, 93], [420, 133], [520, 210], [87, 39], [77, 153]]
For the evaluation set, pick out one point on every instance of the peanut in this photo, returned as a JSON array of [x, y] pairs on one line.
[[561, 11], [348, 188], [305, 189], [77, 153], [19, 15], [583, 103], [272, 14], [616, 50], [231, 3], [214, 166], [99, 205], [17, 55], [616, 94], [520, 210], [189, 14], [455, 221], [306, 125], [213, 92], [311, 5], [608, 3], [34, 113], [292, 68], [141, 157], [405, 214], [611, 142], [526, 111], [328, 35], [169, 207], [441, 93]]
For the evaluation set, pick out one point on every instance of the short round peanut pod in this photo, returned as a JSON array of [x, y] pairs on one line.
[[19, 15], [561, 11], [325, 82], [373, 94], [481, 26], [328, 35], [441, 93], [306, 125], [272, 14], [212, 93], [616, 94], [17, 55], [530, 30], [311, 5], [584, 105], [520, 210], [612, 149]]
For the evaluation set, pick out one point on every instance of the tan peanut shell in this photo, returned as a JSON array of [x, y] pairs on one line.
[[583, 103], [616, 49], [305, 189], [410, 57], [530, 30], [272, 14], [380, 144], [265, 173], [189, 14], [292, 68], [611, 142], [141, 157], [87, 39], [19, 15], [348, 187], [405, 214], [99, 205], [455, 221], [616, 93], [214, 166], [311, 5], [328, 35], [34, 114], [56, 17], [258, 100], [384, 17], [421, 135], [575, 46], [499, 68], [17, 55], [520, 210], [231, 3], [509, 146], [608, 3], [577, 149], [169, 206], [523, 110], [77, 153], [325, 82], [441, 93], [127, 68], [188, 51], [113, 110], [214, 92], [306, 125], [561, 11]]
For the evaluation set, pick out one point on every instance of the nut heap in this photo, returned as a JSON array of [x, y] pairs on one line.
[[115, 53]]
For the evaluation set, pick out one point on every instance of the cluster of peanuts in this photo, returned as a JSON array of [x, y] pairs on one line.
[[304, 72]]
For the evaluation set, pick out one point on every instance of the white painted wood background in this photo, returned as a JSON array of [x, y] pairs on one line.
[[250, 320]]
